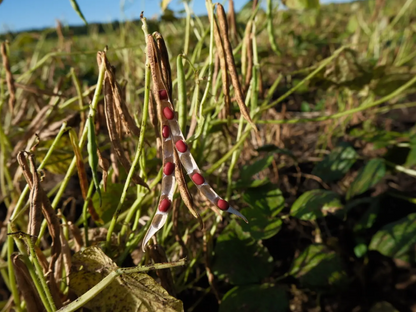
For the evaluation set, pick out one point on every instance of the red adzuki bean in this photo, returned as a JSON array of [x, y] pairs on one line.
[[168, 169], [223, 204], [163, 95], [164, 205], [181, 146], [198, 179], [168, 113], [165, 131]]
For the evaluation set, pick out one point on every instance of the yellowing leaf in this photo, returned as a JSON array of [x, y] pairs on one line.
[[127, 292]]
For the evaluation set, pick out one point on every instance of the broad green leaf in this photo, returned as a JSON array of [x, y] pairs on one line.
[[301, 4], [265, 203], [266, 198], [261, 225], [319, 268], [370, 175], [240, 258], [336, 164], [128, 292], [369, 217], [247, 172], [397, 239], [315, 204], [246, 299]]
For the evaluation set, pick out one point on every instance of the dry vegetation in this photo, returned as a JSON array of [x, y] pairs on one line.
[[302, 120]]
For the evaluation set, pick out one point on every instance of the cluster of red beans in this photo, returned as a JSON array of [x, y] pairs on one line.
[[181, 146]]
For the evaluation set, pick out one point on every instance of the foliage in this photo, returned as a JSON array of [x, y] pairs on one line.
[[326, 180]]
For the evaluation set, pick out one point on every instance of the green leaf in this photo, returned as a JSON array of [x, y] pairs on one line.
[[247, 172], [370, 175], [301, 4], [110, 200], [319, 269], [128, 292], [369, 217], [336, 164], [273, 148], [265, 203], [411, 157], [315, 204], [75, 6], [266, 198], [397, 239], [379, 137], [239, 258], [246, 299], [360, 250], [304, 107]]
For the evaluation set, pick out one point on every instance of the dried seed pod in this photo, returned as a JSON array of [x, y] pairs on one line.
[[222, 21], [174, 149]]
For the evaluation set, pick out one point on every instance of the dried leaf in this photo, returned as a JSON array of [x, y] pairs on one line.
[[128, 292]]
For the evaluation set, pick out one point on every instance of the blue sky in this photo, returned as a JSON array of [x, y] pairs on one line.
[[17, 15]]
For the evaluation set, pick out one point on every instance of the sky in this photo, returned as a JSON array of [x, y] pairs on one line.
[[18, 15]]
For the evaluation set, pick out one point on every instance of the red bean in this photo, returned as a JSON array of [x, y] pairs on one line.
[[223, 204], [198, 179], [165, 131], [168, 169], [181, 146], [168, 113], [164, 205], [163, 95]]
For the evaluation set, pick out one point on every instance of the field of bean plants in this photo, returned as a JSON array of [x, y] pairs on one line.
[[256, 160]]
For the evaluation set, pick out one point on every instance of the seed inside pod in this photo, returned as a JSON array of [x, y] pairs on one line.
[[168, 113], [163, 95], [165, 132], [198, 179], [164, 205], [168, 169], [181, 146], [223, 204]]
